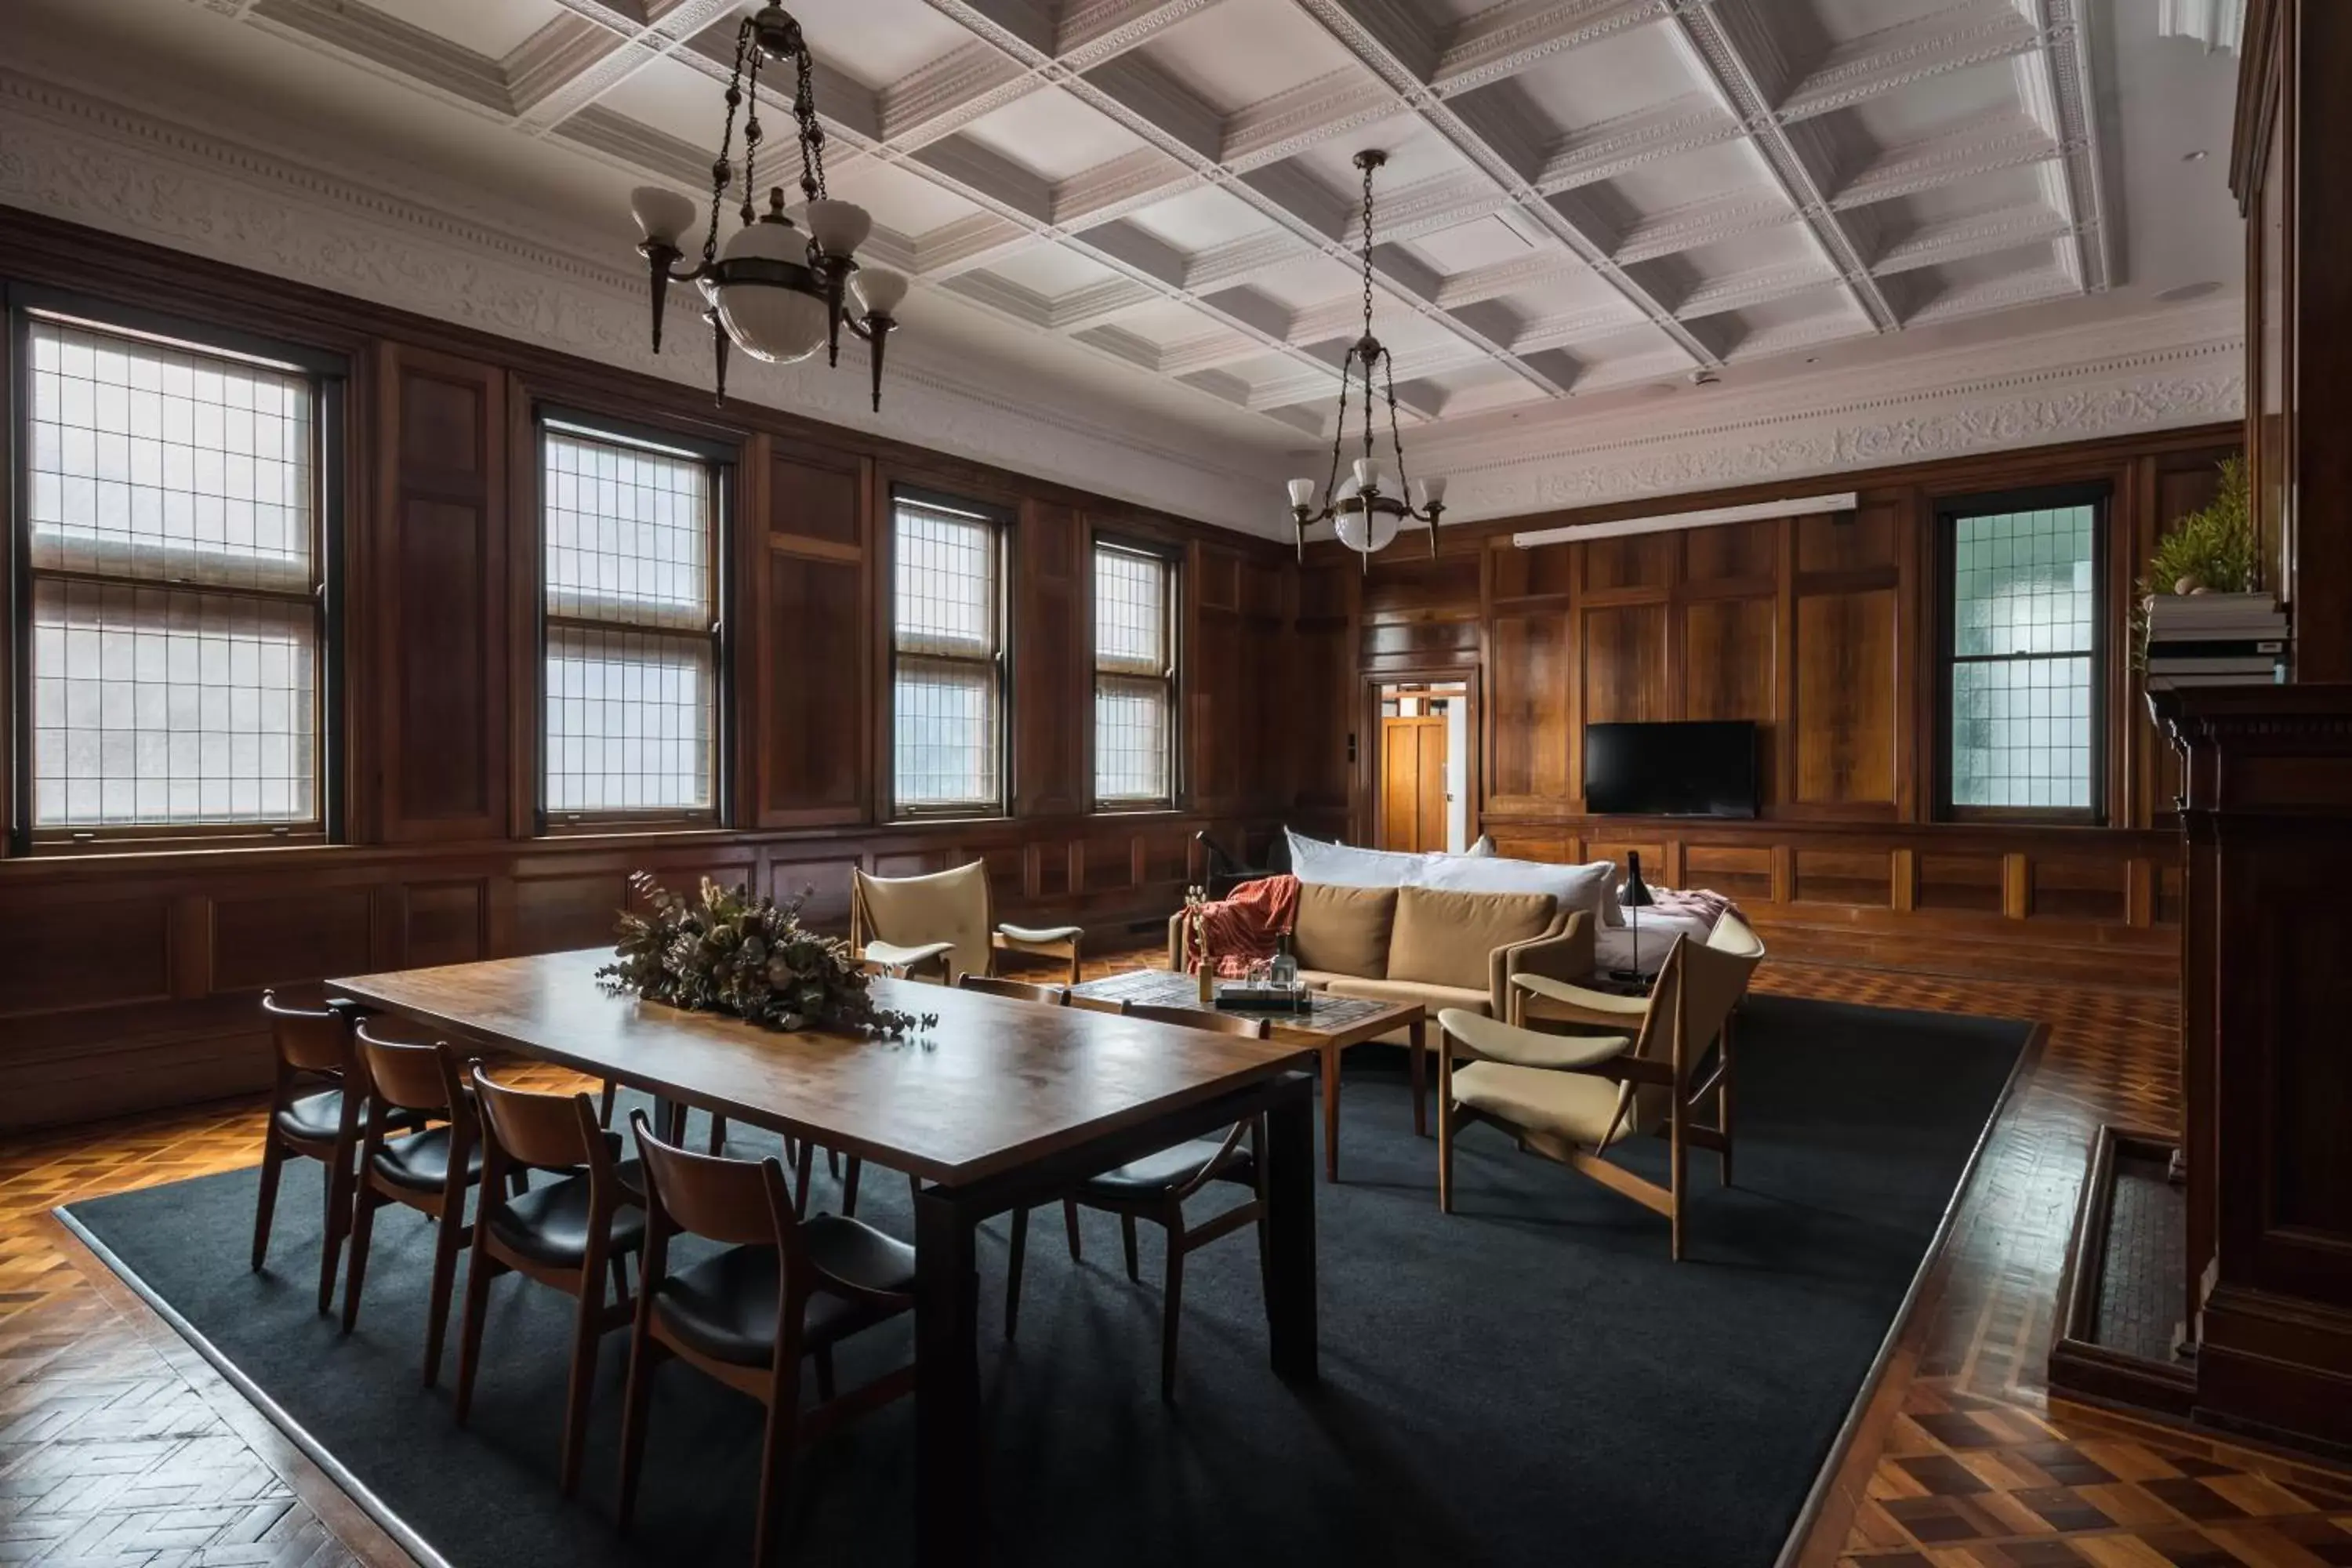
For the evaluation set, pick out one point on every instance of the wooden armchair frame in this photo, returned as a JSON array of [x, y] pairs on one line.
[[931, 959]]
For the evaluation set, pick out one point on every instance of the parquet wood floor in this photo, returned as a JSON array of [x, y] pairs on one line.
[[120, 1445]]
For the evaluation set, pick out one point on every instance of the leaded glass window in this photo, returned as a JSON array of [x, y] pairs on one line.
[[947, 700], [1135, 678], [2023, 617]]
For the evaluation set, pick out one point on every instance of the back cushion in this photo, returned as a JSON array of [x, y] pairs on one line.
[[1344, 930], [1345, 866], [1446, 938], [1585, 887]]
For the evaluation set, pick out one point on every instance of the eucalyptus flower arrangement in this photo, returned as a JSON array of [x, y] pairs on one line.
[[727, 951]]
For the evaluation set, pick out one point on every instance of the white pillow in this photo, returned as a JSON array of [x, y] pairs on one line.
[[1482, 847], [1344, 866], [1583, 887]]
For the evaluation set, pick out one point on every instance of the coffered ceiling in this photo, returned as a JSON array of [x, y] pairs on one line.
[[1581, 195]]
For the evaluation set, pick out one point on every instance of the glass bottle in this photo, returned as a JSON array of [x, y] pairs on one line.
[[1285, 964]]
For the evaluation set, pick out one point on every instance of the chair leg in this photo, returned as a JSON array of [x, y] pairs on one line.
[[1723, 1110], [447, 1245], [1170, 1313], [273, 1159], [645, 1354], [1678, 1173], [718, 1134], [849, 1187], [363, 1207], [480, 1269], [1127, 1238], [803, 1174], [1445, 1150], [1019, 1250], [914, 1190], [1070, 1224], [605, 1103], [587, 1335], [776, 1450], [341, 1184]]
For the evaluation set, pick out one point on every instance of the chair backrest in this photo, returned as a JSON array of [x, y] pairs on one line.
[[1697, 989], [737, 1202], [915, 912], [1014, 990], [551, 1131], [1086, 1003], [309, 1039], [1203, 1018], [410, 1075]]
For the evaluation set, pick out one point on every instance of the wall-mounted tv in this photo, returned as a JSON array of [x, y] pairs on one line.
[[1690, 769]]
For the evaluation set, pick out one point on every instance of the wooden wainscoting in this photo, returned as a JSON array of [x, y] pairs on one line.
[[129, 982]]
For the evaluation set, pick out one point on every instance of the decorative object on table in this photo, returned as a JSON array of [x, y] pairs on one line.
[[1196, 942], [1636, 896], [1284, 974], [1365, 514], [1249, 997], [2199, 619], [727, 951], [775, 295]]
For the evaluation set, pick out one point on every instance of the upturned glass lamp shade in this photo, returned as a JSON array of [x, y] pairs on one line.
[[878, 291], [839, 228], [663, 216]]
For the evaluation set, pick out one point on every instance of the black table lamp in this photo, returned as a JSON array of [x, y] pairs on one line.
[[1636, 896]]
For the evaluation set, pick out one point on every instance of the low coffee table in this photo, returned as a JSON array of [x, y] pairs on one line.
[[1337, 1023]]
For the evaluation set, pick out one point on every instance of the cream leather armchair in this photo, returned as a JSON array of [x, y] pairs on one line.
[[944, 925], [1647, 1069]]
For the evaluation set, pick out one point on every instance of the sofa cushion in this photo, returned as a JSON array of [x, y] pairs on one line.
[[1344, 930], [1448, 937]]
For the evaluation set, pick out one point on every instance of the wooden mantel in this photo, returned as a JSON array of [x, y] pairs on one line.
[[2266, 1040]]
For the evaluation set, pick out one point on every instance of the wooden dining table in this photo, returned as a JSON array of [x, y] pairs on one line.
[[999, 1105]]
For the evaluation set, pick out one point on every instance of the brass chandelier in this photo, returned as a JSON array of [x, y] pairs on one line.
[[774, 294], [1363, 509]]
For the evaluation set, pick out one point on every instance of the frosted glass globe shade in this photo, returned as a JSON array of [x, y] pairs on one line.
[[769, 322]]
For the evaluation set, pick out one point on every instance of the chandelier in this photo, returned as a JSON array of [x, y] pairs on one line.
[[775, 295], [1363, 509]]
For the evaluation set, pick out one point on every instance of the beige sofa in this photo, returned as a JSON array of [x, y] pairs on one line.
[[1436, 947]]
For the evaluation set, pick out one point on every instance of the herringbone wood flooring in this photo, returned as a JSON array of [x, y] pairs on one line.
[[120, 1445]]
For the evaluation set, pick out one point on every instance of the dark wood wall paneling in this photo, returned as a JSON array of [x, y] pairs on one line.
[[1821, 629], [129, 979]]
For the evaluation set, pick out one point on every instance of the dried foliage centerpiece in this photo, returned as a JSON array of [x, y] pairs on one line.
[[727, 951]]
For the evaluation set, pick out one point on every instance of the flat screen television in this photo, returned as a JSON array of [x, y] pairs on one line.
[[1704, 768]]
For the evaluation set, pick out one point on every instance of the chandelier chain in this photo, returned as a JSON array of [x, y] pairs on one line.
[[1396, 444], [751, 135], [1368, 253], [722, 167], [812, 133]]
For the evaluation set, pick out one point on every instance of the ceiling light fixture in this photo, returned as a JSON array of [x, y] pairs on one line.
[[1365, 515], [776, 296]]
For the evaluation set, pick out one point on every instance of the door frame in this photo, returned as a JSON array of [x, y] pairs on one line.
[[1364, 778]]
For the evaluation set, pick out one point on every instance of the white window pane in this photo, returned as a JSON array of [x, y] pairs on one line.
[[947, 737], [628, 533], [609, 753], [946, 593], [162, 742], [1134, 734], [1132, 738], [141, 462], [944, 725]]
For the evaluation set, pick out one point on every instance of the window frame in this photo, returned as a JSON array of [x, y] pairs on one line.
[[1002, 522], [720, 460], [1172, 679], [329, 376], [1947, 511]]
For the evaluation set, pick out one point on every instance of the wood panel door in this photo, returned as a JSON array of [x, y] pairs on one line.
[[1413, 782]]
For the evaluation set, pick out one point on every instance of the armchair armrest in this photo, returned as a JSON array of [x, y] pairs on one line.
[[1040, 936], [906, 960], [1497, 1041], [1565, 955], [1542, 996]]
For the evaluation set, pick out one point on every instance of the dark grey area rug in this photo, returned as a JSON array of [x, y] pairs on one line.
[[1530, 1381]]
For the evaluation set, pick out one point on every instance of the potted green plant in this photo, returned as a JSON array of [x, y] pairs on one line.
[[2211, 550]]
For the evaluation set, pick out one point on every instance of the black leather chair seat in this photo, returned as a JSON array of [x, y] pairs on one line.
[[317, 1117], [725, 1307], [422, 1162], [549, 1224], [1173, 1168]]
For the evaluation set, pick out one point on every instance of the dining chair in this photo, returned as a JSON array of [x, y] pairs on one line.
[[785, 1288], [566, 1233], [1014, 989], [1571, 1097], [1086, 1003], [429, 1171], [319, 1108], [944, 924], [1155, 1188]]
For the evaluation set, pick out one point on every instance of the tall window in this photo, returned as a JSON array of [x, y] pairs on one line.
[[1135, 678], [172, 553], [632, 626], [947, 668], [2022, 654]]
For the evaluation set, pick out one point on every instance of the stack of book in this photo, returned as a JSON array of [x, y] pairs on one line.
[[2214, 639]]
